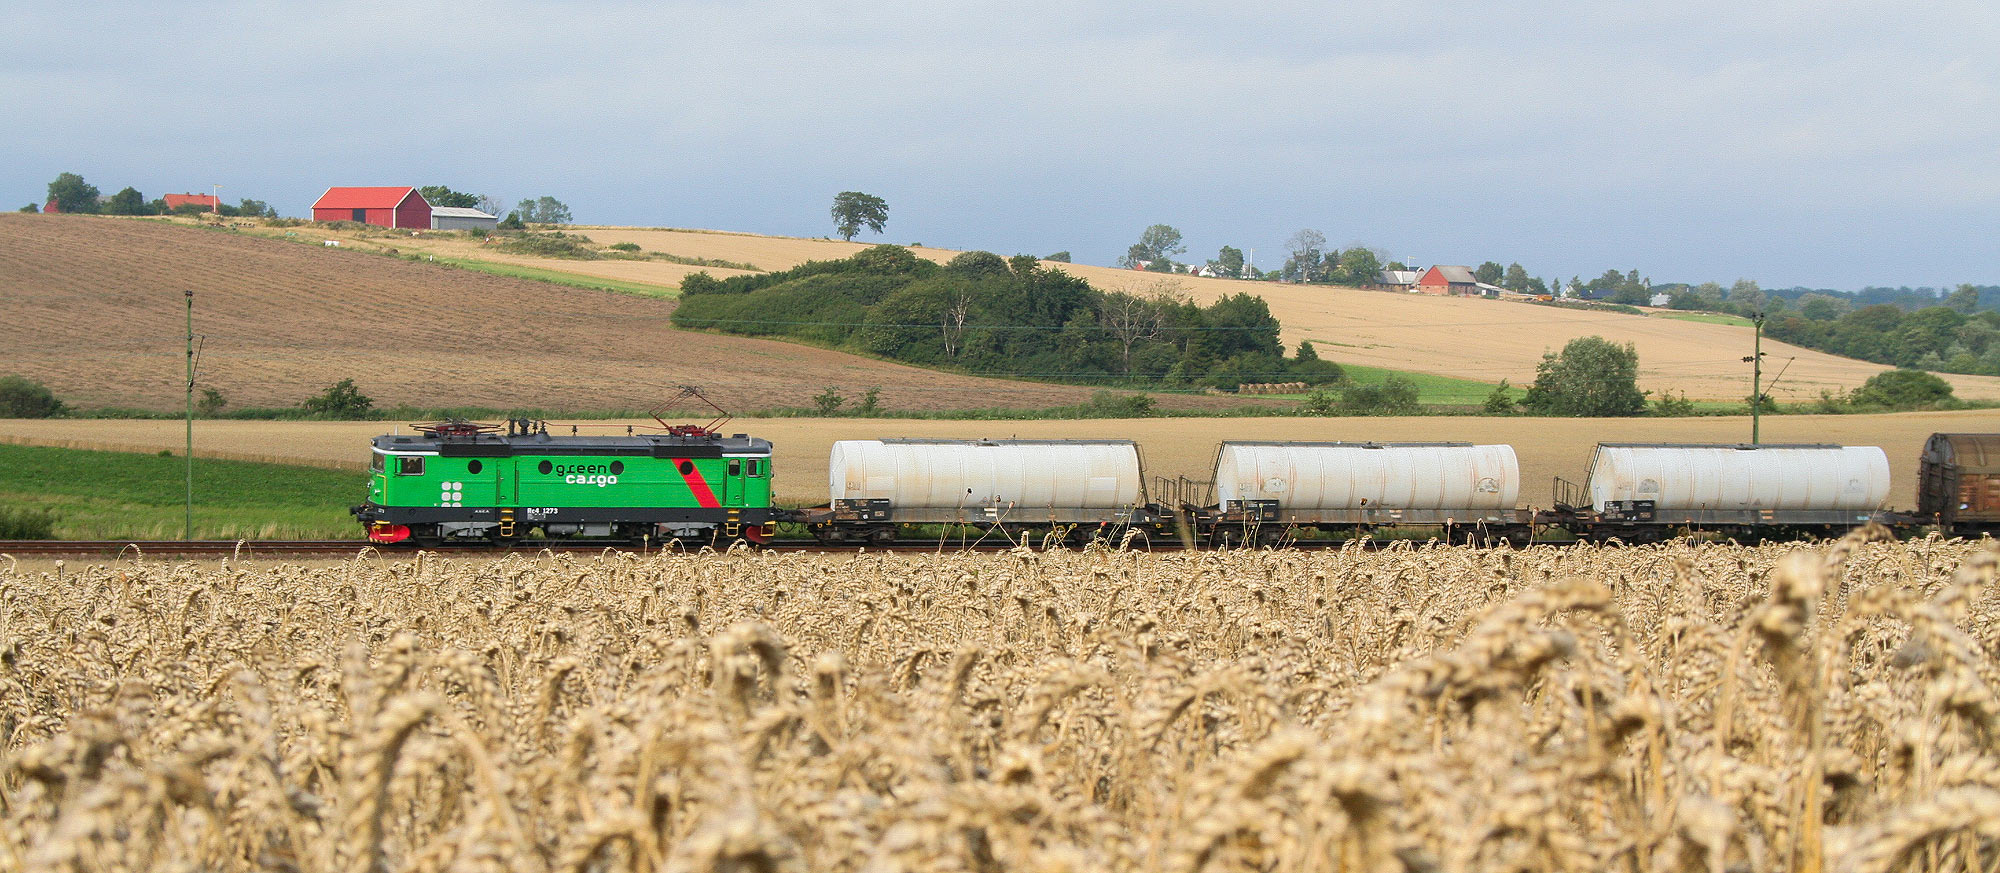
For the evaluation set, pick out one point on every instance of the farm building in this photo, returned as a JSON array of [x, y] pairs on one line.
[[1448, 280], [1395, 280], [388, 207], [205, 201], [459, 218]]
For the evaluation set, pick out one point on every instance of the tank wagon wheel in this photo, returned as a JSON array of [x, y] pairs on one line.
[[882, 536]]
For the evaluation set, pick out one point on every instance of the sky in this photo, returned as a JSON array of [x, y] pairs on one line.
[[1828, 144]]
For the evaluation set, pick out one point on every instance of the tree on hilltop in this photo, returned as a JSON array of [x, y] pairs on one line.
[[544, 210], [1305, 246], [127, 202], [71, 193], [853, 210]]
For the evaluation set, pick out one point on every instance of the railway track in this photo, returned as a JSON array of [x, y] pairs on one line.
[[123, 549], [348, 548]]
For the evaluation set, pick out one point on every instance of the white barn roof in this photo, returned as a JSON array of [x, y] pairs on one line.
[[458, 212]]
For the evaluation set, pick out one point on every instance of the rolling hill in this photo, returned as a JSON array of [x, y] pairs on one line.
[[1486, 340], [95, 310]]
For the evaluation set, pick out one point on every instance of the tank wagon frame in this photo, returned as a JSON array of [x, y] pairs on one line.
[[464, 482]]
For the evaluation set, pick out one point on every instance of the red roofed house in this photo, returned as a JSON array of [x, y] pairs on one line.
[[1448, 280], [388, 207], [206, 201]]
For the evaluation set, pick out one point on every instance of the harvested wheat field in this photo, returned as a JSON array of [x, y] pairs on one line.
[[1673, 708], [1547, 447], [94, 310]]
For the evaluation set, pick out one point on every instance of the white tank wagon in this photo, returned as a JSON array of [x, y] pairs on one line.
[[1698, 484], [1349, 484], [987, 482]]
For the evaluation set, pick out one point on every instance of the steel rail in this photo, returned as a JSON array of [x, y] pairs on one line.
[[119, 549]]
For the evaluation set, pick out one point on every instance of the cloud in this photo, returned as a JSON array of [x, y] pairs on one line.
[[1581, 136]]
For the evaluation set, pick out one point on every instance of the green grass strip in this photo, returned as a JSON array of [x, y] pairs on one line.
[[125, 495]]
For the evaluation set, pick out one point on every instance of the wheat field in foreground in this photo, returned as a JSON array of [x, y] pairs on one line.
[[1681, 707]]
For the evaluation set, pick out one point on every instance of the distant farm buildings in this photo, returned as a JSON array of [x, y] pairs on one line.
[[205, 201], [387, 207], [459, 218]]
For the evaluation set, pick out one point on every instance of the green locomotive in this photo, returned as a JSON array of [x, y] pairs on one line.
[[463, 482]]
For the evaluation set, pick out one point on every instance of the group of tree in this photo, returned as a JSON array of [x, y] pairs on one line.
[[539, 210], [1310, 260], [71, 194], [21, 397], [1591, 376], [985, 314], [442, 195], [1513, 277], [1155, 250], [1956, 337], [1898, 390]]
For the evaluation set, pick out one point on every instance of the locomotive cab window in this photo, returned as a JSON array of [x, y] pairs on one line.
[[410, 466], [374, 462], [735, 467]]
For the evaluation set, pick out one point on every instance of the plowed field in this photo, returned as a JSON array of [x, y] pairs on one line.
[[93, 308]]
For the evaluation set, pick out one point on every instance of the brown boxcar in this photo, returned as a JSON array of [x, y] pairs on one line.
[[1958, 481]]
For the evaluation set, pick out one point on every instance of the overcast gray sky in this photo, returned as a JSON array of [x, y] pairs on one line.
[[1832, 144]]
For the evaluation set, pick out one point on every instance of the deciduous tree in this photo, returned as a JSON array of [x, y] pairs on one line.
[[544, 210], [1229, 262], [1360, 266], [1592, 376], [1305, 247], [439, 195], [72, 194], [127, 201], [853, 210]]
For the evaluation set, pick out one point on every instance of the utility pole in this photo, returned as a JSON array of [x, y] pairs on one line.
[[187, 529], [1756, 362]]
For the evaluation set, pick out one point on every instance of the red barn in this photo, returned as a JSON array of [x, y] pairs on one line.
[[1448, 280], [206, 201], [388, 207]]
